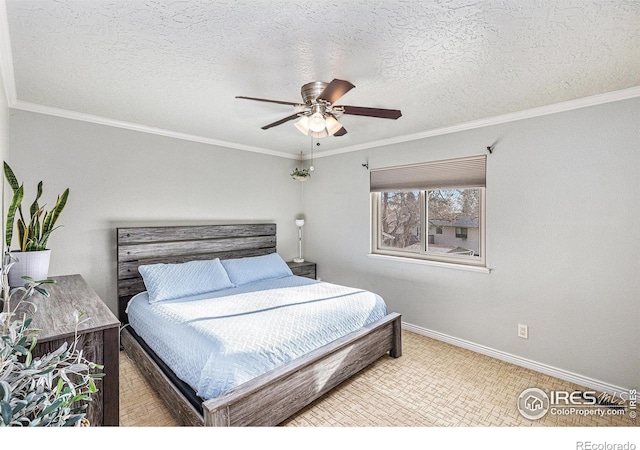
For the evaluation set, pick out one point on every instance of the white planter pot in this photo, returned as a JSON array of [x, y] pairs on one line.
[[32, 264]]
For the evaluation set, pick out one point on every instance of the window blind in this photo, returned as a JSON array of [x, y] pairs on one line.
[[452, 173]]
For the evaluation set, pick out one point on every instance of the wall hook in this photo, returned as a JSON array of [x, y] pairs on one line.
[[492, 147], [366, 165]]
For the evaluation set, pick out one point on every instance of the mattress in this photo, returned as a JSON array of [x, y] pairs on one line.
[[215, 342]]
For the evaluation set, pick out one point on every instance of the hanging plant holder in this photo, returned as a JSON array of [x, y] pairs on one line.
[[304, 174], [300, 174]]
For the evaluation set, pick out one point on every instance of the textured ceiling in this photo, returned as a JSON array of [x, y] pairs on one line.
[[178, 65]]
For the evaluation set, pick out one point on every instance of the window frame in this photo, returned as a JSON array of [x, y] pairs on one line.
[[423, 255]]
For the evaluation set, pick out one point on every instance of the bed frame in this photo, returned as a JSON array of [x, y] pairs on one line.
[[271, 398]]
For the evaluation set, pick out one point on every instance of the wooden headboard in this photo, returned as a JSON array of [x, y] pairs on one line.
[[178, 244]]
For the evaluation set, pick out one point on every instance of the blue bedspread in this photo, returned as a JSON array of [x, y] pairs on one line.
[[217, 341]]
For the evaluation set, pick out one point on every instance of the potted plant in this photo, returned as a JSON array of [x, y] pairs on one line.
[[33, 232], [49, 390], [300, 174]]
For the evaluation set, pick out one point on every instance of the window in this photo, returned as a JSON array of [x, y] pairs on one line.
[[400, 221], [432, 211]]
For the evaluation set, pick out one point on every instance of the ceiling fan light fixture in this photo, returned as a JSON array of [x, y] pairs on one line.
[[317, 116], [303, 125], [317, 122]]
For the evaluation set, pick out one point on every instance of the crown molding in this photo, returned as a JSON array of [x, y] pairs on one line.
[[584, 102], [609, 97], [8, 77], [9, 82], [67, 114]]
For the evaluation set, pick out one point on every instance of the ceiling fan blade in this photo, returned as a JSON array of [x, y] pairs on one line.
[[280, 122], [270, 101], [371, 112], [334, 90], [340, 132]]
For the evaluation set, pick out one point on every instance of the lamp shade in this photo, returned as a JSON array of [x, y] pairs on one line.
[[303, 125], [317, 125], [299, 222], [317, 122], [332, 125]]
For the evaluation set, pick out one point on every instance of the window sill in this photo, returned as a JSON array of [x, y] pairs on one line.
[[426, 262]]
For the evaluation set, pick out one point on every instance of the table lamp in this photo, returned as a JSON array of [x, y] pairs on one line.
[[299, 224]]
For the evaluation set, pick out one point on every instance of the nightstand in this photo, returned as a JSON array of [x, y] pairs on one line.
[[303, 269]]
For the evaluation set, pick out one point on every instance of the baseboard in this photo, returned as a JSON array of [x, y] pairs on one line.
[[565, 375]]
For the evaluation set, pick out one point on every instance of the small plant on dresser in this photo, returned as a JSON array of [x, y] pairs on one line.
[[34, 230]]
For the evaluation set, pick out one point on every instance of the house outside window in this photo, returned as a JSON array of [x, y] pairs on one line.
[[443, 222]]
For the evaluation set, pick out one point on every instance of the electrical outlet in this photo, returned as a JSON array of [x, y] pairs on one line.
[[523, 331]]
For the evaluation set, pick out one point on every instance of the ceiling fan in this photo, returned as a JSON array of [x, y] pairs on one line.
[[318, 115]]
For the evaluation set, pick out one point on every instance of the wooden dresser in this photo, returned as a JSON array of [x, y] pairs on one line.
[[99, 338]]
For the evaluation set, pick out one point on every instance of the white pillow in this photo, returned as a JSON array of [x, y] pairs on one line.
[[256, 268], [172, 281]]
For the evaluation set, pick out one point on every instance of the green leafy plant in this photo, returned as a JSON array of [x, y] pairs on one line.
[[298, 174], [49, 390], [34, 233]]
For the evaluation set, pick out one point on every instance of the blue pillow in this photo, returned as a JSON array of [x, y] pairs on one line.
[[172, 281], [255, 268]]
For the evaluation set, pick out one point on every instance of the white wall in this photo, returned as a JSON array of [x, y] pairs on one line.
[[563, 215], [119, 177], [4, 120], [4, 143]]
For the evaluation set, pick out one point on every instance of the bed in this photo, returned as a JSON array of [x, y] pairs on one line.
[[254, 390]]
